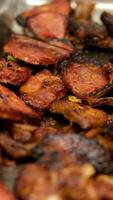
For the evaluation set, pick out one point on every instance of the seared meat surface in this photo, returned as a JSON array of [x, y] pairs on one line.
[[84, 79], [35, 52], [40, 20], [13, 108], [12, 73], [56, 105], [85, 116], [42, 89]]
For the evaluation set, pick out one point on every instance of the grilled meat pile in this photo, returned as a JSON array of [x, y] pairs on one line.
[[56, 105]]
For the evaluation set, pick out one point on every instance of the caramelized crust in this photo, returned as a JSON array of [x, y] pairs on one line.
[[35, 52], [42, 89], [12, 73], [107, 19], [85, 116], [83, 79], [13, 108]]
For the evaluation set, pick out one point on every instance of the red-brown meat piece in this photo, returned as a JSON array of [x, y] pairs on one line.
[[47, 21], [42, 89], [61, 7], [85, 116], [35, 52], [48, 25], [84, 79], [13, 108], [5, 194], [12, 73]]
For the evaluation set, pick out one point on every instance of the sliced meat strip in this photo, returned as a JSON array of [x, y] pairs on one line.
[[42, 89], [13, 108], [85, 116], [84, 79], [61, 7], [12, 73], [35, 52], [5, 194]]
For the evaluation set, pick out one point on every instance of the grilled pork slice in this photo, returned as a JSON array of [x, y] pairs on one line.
[[5, 194], [13, 108], [35, 52], [47, 21], [42, 89], [12, 73], [86, 80], [85, 116]]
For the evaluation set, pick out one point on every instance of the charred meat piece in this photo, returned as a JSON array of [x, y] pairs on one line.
[[22, 132], [84, 79], [12, 73], [14, 149], [85, 116], [91, 34], [42, 89], [107, 19], [48, 25], [36, 181], [5, 194], [61, 7], [35, 52], [76, 145], [47, 21], [13, 108], [25, 133]]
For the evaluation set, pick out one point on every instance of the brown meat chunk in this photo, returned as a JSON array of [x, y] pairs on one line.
[[48, 25], [91, 34], [13, 108], [42, 89], [35, 52], [61, 7], [107, 19], [74, 146], [85, 116], [12, 73], [14, 149], [61, 184], [84, 79], [5, 194], [22, 132]]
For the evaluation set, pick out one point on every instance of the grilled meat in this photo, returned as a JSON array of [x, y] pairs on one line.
[[91, 34], [48, 21], [35, 52], [42, 89], [13, 108], [84, 79], [85, 116], [12, 73]]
